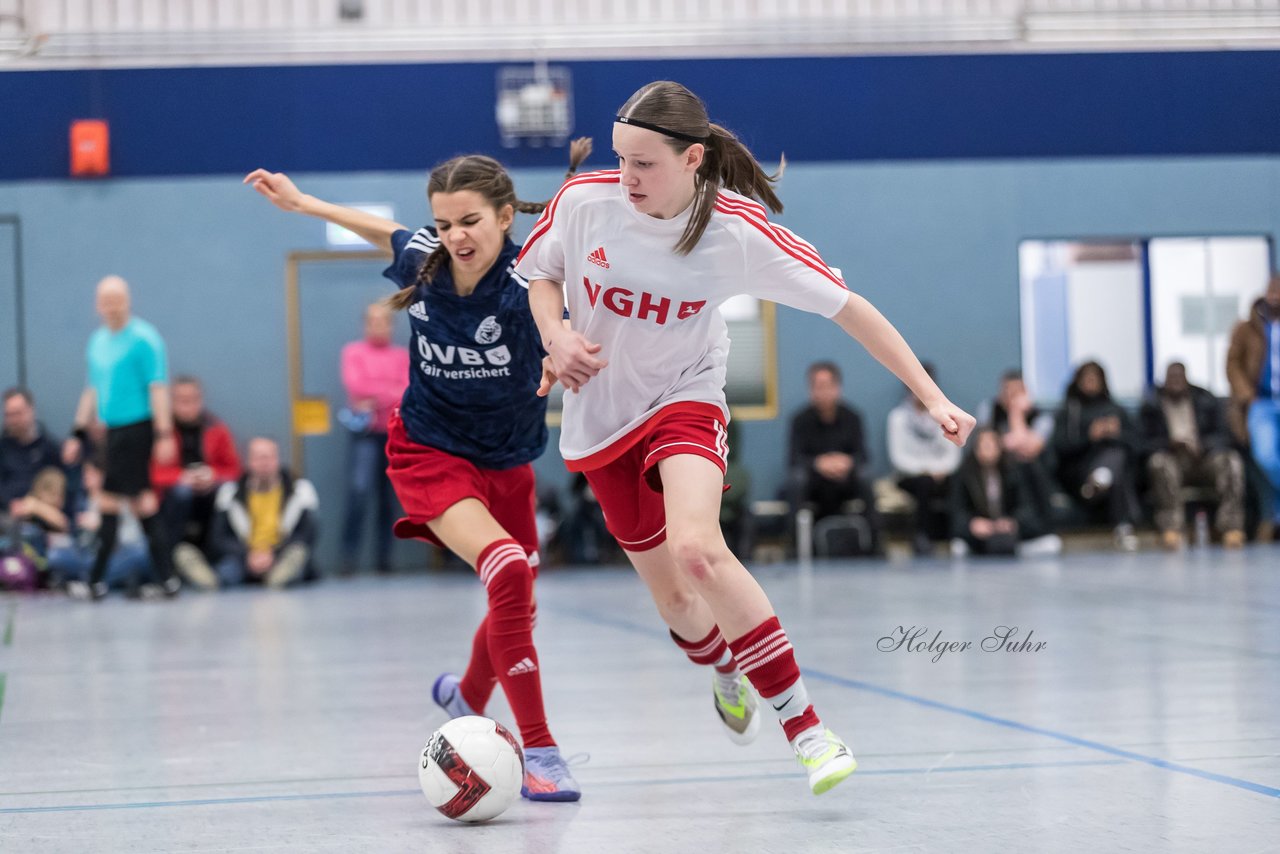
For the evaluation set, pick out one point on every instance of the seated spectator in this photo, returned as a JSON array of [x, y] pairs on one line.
[[264, 528], [1185, 433], [71, 556], [992, 511], [188, 484], [375, 373], [1096, 446], [924, 461], [1253, 368], [39, 513], [1025, 432], [27, 534], [25, 448], [828, 452]]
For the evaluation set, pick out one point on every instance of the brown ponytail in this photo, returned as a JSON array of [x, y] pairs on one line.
[[485, 176], [726, 162]]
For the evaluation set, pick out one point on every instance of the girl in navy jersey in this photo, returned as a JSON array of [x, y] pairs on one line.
[[644, 255], [470, 423]]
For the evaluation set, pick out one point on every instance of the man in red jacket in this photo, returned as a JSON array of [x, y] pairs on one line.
[[206, 459]]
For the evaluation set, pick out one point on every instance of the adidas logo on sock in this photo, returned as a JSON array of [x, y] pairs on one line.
[[525, 666], [598, 258], [419, 310]]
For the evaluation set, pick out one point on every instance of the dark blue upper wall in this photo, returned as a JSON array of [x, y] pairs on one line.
[[389, 117]]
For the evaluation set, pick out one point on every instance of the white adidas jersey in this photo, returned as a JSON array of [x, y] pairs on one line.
[[656, 313]]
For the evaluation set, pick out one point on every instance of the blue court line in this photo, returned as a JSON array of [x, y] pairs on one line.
[[859, 685], [205, 802], [653, 781]]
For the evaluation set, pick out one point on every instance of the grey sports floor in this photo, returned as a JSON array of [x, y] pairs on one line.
[[259, 721]]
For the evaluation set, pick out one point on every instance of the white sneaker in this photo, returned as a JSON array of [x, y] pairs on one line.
[[738, 713], [83, 590], [1099, 481], [289, 566], [190, 563], [1126, 540], [959, 548], [1049, 544], [824, 756]]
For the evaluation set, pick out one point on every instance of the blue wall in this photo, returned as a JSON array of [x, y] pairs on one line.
[[388, 117], [1192, 145], [933, 244]]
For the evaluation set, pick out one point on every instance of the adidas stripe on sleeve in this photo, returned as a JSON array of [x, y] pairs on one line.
[[782, 267]]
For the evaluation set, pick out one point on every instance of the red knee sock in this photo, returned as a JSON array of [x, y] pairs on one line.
[[508, 578], [710, 650], [766, 657], [478, 682]]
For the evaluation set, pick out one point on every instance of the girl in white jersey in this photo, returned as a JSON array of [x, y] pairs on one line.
[[644, 256]]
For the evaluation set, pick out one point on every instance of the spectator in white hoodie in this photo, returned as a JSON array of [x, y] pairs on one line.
[[924, 461]]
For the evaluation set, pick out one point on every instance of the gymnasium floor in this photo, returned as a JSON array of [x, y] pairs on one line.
[[256, 721]]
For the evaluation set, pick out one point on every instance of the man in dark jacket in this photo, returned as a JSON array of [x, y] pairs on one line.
[[1097, 447], [828, 450], [1253, 369], [1184, 431], [265, 525], [25, 447]]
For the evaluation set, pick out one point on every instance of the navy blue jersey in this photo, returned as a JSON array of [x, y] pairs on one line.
[[476, 361]]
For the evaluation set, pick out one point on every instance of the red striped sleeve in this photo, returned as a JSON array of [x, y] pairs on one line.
[[543, 225], [789, 243]]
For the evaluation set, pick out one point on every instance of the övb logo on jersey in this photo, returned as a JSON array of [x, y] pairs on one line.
[[450, 354], [488, 331]]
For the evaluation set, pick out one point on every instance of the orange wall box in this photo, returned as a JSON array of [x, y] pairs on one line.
[[90, 148]]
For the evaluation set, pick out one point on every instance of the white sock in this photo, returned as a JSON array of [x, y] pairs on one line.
[[791, 702], [728, 683]]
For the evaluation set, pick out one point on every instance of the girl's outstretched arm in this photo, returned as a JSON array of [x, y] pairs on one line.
[[872, 330], [284, 194]]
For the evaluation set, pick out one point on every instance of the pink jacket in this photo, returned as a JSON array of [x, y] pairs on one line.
[[375, 373]]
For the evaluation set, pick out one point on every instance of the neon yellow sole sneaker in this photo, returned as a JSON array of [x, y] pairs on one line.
[[738, 714], [825, 757]]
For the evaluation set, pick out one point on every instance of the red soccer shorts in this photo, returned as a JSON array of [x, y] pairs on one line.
[[429, 481], [625, 477]]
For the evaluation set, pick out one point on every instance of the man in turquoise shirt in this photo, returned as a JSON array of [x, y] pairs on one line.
[[128, 392]]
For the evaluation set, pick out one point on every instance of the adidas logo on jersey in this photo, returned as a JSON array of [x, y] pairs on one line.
[[419, 310], [598, 258], [524, 666]]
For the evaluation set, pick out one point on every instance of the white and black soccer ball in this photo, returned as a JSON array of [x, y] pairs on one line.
[[471, 769]]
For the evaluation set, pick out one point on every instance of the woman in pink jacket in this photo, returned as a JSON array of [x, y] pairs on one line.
[[374, 374]]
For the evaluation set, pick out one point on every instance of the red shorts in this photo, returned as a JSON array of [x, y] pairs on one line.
[[625, 477], [429, 481]]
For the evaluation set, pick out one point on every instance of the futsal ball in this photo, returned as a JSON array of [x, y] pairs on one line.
[[471, 769]]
